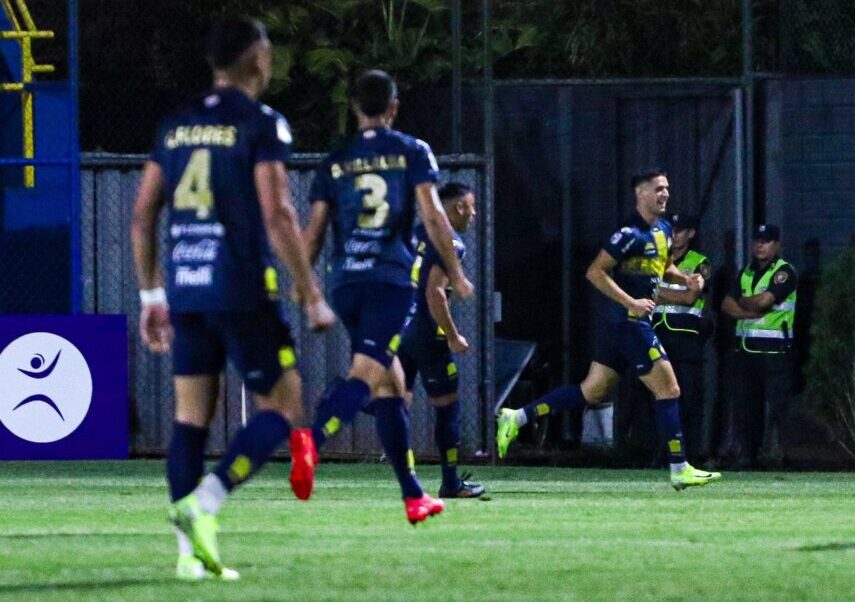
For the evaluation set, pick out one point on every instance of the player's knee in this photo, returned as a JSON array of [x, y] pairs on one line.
[[667, 391], [594, 392], [443, 400]]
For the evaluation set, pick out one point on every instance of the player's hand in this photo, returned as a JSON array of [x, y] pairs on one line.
[[458, 344], [695, 282], [155, 329], [462, 288], [641, 307], [319, 314]]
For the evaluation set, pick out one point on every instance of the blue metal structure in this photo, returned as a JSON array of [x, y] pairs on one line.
[[40, 222]]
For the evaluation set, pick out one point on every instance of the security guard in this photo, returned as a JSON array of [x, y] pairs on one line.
[[763, 302], [682, 326]]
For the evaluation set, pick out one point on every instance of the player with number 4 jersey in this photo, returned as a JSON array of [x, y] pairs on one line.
[[219, 165], [368, 192]]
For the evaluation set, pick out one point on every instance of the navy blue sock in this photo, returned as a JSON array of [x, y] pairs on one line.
[[559, 399], [447, 437], [251, 448], [185, 463], [668, 425], [394, 431], [339, 406]]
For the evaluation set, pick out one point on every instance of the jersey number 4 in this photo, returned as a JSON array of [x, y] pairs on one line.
[[194, 189], [375, 209]]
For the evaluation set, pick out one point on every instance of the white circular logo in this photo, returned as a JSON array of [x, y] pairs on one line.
[[45, 387]]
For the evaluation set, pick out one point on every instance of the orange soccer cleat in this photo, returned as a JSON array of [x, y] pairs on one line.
[[419, 508], [304, 459]]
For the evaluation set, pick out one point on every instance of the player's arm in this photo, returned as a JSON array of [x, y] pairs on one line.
[[598, 275], [437, 302], [315, 232], [439, 231], [155, 329], [283, 231], [671, 296]]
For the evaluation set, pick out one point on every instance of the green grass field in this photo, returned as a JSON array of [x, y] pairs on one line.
[[81, 531]]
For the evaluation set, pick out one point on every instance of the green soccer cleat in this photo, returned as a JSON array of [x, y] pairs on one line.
[[201, 528], [190, 568], [507, 430], [692, 477]]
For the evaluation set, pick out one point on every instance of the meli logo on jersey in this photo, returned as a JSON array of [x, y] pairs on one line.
[[63, 387], [47, 387]]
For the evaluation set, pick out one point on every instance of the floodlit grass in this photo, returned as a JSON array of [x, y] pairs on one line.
[[80, 531]]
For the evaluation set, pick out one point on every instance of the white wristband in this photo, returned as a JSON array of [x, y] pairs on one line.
[[153, 296]]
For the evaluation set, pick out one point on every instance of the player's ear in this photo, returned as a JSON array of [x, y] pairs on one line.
[[392, 111]]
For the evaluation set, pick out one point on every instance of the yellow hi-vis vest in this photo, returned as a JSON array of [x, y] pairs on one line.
[[682, 318], [774, 330]]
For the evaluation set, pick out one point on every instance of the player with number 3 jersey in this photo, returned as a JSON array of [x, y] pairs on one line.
[[368, 192]]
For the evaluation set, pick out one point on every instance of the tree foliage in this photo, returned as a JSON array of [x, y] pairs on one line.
[[831, 369]]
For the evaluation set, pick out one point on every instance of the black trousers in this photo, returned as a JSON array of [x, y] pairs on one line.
[[635, 422], [686, 351], [762, 389]]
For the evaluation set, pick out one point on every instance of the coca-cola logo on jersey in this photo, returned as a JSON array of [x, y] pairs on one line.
[[203, 251]]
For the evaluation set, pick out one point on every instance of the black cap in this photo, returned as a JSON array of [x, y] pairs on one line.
[[684, 221], [767, 232]]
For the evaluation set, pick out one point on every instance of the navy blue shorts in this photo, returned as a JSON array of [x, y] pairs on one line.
[[631, 343], [258, 343], [424, 350], [374, 314]]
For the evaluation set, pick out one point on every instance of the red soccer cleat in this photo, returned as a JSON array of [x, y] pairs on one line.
[[419, 508], [304, 458]]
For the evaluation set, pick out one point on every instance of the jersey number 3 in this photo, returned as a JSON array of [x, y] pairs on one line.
[[194, 190], [375, 209]]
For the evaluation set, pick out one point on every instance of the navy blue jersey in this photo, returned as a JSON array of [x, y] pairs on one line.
[[219, 258], [427, 257], [641, 251], [370, 188]]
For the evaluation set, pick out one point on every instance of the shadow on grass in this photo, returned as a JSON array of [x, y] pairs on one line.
[[71, 534], [828, 547], [82, 586]]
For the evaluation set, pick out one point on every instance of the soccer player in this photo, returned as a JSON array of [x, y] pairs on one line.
[[219, 164], [431, 338], [638, 257], [368, 191]]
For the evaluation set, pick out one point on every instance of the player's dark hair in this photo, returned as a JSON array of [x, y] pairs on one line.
[[230, 38], [646, 175], [453, 190], [374, 91]]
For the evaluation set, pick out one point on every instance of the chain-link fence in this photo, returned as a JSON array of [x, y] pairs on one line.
[[109, 186]]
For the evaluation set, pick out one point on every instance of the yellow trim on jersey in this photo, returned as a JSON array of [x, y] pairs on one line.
[[287, 357]]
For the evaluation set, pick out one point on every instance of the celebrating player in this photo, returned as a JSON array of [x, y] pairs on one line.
[[431, 338], [220, 166], [638, 255], [368, 192]]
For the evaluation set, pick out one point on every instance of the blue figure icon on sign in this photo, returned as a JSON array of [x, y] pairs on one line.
[[46, 399]]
